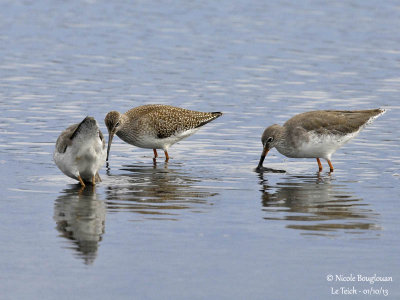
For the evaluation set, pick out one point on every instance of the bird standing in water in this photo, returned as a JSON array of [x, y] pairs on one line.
[[155, 126], [80, 151], [316, 134]]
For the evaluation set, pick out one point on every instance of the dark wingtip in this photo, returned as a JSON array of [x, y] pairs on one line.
[[76, 131], [217, 113], [73, 135], [214, 114], [381, 111]]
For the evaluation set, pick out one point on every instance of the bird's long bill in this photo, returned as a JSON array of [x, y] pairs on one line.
[[110, 137], [263, 155]]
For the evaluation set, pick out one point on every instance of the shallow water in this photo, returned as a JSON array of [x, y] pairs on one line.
[[205, 225]]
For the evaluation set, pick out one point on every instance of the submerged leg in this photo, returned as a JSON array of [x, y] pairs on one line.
[[319, 165], [81, 181], [330, 164], [166, 156]]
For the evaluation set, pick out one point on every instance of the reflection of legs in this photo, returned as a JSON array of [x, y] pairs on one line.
[[166, 156], [319, 165], [81, 181], [330, 164]]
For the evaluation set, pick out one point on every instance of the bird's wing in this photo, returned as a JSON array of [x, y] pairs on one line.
[[168, 120], [101, 136], [340, 122], [64, 140]]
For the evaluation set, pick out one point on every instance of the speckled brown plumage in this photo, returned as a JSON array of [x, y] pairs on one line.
[[156, 126], [164, 121]]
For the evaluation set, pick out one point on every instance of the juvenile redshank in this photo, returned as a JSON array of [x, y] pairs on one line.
[[81, 151], [316, 134], [155, 126]]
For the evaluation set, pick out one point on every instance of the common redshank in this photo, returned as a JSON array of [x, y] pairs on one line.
[[81, 151], [316, 134], [155, 126]]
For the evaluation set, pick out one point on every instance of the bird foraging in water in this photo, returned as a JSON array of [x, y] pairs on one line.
[[81, 151], [316, 134], [155, 126]]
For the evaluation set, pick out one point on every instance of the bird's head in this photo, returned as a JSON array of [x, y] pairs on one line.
[[113, 121], [269, 139]]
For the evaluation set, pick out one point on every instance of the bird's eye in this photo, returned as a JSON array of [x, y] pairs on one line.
[[116, 125], [270, 139]]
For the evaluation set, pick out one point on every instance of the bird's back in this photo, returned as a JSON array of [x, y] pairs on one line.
[[80, 150], [165, 120], [337, 122], [321, 133]]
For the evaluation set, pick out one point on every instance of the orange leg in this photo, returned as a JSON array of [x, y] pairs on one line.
[[94, 180], [155, 156], [330, 164], [166, 156], [81, 181], [319, 165]]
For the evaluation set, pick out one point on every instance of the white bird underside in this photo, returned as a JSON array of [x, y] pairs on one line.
[[151, 142], [319, 146], [81, 159]]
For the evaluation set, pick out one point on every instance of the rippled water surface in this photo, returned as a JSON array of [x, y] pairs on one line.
[[205, 225]]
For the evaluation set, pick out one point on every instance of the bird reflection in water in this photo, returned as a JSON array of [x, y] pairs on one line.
[[80, 218], [316, 206], [156, 192]]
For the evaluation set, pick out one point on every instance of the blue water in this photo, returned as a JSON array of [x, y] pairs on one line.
[[205, 225]]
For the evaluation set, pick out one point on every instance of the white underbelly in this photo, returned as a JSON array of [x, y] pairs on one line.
[[318, 146], [151, 142], [84, 161]]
